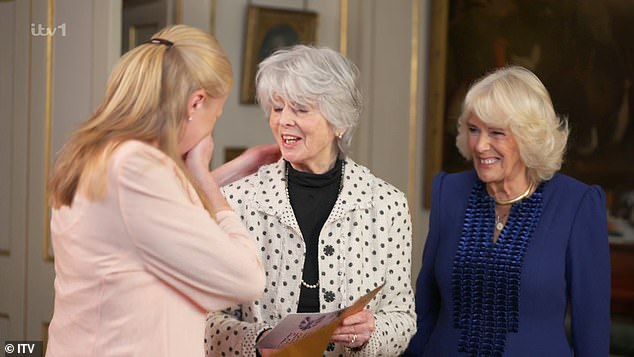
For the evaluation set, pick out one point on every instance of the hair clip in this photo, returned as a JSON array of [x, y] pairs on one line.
[[160, 41]]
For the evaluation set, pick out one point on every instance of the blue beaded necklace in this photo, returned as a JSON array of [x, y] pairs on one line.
[[486, 274]]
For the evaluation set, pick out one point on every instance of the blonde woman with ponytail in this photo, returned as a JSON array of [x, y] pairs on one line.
[[144, 241]]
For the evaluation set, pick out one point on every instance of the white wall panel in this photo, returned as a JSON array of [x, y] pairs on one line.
[[72, 73], [14, 59], [7, 53], [39, 286], [4, 328], [380, 35], [70, 95], [106, 44], [389, 104], [197, 13]]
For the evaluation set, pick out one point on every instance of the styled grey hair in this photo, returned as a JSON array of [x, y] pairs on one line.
[[514, 98], [311, 76]]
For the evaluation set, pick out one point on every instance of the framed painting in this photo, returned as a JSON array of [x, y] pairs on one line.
[[232, 152], [582, 52], [270, 29]]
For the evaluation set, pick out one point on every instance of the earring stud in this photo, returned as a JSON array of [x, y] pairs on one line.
[[339, 135], [189, 119]]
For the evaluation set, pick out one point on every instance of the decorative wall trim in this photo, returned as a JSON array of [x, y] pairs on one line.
[[343, 27], [212, 17], [413, 105], [5, 250], [44, 334], [5, 320], [48, 122], [439, 12], [27, 215], [178, 12]]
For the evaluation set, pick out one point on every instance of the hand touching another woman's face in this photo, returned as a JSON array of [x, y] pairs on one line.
[[198, 158]]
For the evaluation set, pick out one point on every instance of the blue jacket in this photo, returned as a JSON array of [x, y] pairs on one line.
[[566, 266]]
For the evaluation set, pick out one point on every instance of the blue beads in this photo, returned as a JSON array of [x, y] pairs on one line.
[[486, 276]]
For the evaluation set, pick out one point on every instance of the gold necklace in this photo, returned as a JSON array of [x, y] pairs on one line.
[[518, 198]]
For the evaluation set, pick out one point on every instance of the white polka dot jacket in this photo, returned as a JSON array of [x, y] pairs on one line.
[[365, 241]]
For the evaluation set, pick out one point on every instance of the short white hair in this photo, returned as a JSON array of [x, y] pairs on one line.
[[311, 76]]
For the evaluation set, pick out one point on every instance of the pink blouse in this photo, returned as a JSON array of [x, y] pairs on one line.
[[137, 270]]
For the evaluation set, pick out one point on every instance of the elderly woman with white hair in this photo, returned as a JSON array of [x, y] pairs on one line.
[[513, 245], [328, 230]]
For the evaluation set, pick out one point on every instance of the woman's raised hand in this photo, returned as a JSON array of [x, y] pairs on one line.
[[247, 163], [198, 158]]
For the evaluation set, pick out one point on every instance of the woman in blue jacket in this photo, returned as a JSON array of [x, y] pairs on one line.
[[513, 245]]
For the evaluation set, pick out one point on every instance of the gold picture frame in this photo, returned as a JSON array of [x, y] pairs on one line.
[[595, 91], [138, 33], [232, 152], [269, 29]]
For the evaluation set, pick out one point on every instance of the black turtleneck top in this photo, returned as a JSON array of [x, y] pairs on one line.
[[312, 197]]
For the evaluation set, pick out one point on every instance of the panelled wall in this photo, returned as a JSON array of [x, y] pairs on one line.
[[55, 56], [54, 59], [14, 42]]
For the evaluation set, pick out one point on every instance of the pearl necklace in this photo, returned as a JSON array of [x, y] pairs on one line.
[[288, 198], [518, 198], [310, 286]]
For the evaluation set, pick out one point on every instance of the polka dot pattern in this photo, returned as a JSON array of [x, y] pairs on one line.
[[365, 241]]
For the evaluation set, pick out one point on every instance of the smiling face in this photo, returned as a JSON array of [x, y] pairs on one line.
[[495, 154], [304, 136]]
